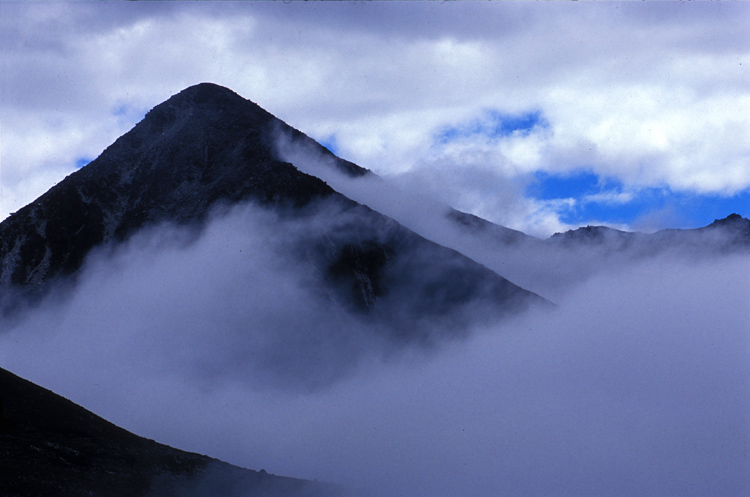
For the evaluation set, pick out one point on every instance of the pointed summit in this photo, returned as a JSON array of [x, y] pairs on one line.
[[201, 107], [209, 94], [205, 147]]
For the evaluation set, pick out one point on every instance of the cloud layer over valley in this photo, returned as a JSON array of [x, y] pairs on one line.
[[283, 326], [636, 384]]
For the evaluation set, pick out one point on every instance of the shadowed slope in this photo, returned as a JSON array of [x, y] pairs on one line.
[[201, 147], [51, 446], [207, 148]]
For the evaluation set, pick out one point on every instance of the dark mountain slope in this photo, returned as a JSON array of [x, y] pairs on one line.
[[202, 146], [50, 446], [208, 147], [380, 268]]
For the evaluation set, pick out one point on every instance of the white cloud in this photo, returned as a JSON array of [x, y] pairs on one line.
[[652, 95]]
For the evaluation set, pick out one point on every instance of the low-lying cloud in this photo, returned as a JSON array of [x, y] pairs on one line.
[[235, 303], [636, 384], [551, 270]]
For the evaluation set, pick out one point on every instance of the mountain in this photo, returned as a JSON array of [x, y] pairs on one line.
[[723, 235], [551, 267], [207, 148], [203, 146], [50, 446]]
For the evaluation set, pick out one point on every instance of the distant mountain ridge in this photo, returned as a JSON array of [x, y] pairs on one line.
[[727, 234]]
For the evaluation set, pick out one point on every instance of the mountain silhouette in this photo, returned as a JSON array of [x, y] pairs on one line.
[[203, 146], [202, 152], [207, 148]]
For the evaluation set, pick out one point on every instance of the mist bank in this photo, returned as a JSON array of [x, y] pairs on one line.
[[635, 384], [295, 298], [551, 267]]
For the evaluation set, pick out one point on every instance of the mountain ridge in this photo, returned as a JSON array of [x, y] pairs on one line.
[[734, 227], [204, 148]]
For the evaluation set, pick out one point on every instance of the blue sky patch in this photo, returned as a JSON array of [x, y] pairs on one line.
[[129, 112], [494, 124], [331, 143], [82, 161], [600, 199], [701, 210], [547, 186]]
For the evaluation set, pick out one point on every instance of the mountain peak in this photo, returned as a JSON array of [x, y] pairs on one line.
[[735, 226], [203, 146], [202, 107], [592, 235], [731, 219], [206, 147], [209, 95], [208, 90]]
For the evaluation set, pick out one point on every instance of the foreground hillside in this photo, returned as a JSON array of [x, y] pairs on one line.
[[50, 446]]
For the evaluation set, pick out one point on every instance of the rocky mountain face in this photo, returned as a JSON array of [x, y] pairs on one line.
[[50, 446], [208, 147], [203, 146]]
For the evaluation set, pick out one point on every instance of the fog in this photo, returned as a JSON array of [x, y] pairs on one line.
[[551, 270], [637, 383]]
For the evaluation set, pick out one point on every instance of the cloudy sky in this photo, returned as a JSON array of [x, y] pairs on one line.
[[536, 116]]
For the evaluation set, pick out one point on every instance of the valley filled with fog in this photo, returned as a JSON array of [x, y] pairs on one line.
[[417, 249], [635, 383]]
